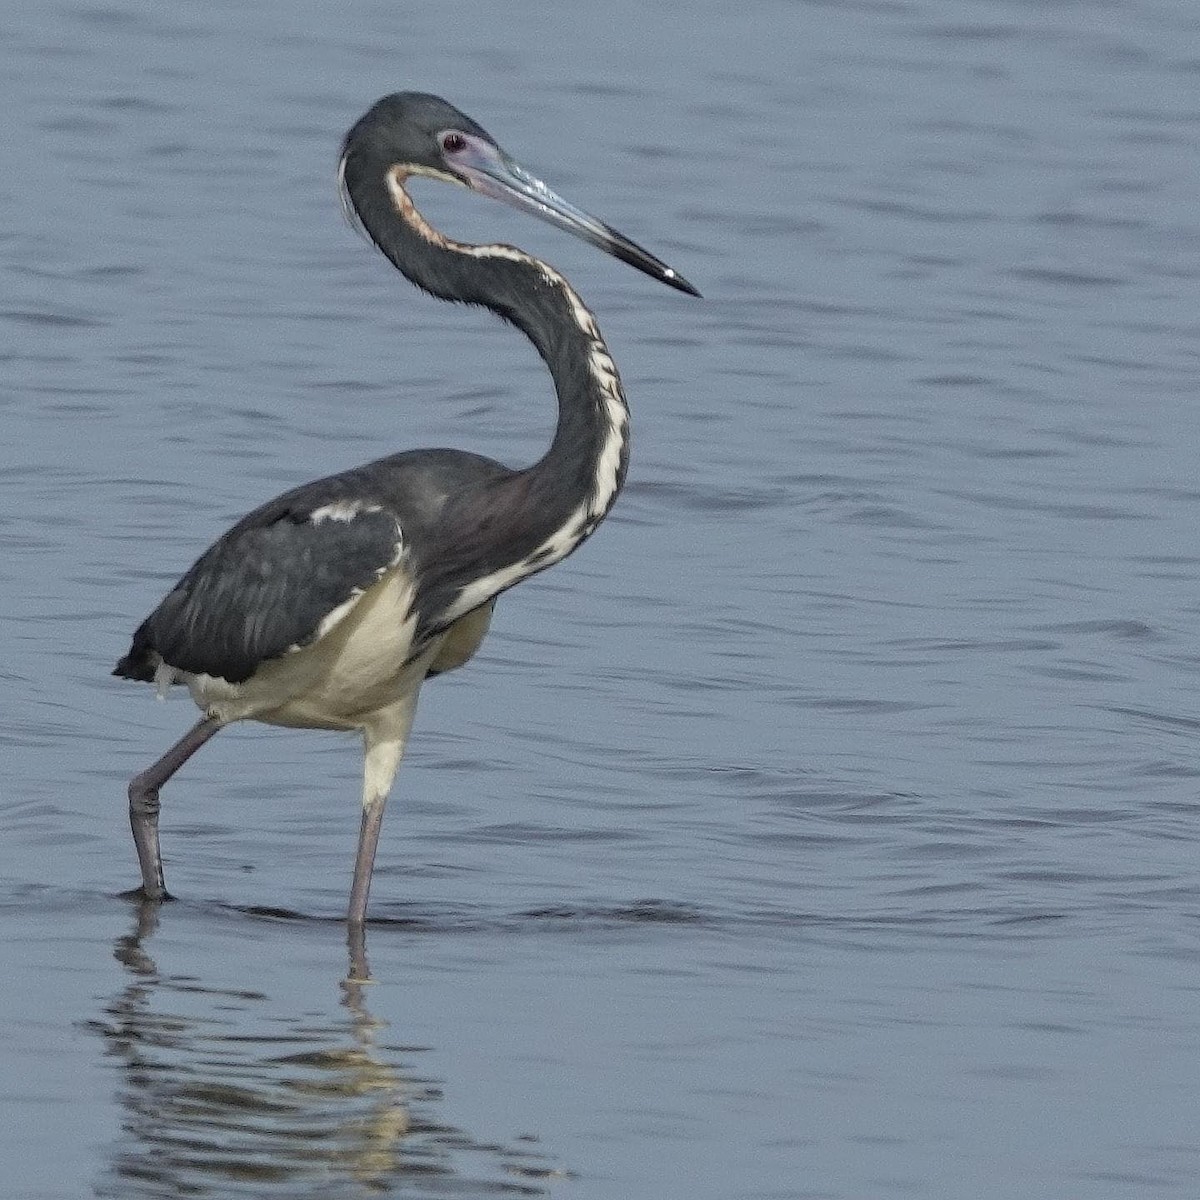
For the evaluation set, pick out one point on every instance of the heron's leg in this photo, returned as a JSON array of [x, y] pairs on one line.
[[144, 804], [384, 740], [360, 971]]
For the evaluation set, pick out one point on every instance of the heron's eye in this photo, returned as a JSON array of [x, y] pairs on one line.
[[452, 143]]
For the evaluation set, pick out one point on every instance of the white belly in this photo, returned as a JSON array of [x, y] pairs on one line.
[[355, 669]]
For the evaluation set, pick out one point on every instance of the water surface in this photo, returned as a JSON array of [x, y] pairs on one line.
[[827, 827]]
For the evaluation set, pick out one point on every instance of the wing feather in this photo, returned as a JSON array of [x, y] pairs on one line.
[[275, 582]]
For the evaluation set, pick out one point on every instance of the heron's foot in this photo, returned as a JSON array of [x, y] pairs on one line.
[[139, 893]]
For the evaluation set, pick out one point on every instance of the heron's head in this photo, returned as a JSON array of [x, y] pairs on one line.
[[414, 133], [417, 132]]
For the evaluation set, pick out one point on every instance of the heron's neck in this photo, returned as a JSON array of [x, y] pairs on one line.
[[548, 509]]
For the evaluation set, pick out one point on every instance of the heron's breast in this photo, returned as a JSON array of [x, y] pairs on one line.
[[462, 639]]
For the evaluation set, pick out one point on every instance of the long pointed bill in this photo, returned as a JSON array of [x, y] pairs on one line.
[[491, 172]]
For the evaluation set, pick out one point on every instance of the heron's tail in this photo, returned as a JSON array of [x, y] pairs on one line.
[[140, 663]]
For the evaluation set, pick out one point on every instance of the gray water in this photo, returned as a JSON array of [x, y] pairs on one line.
[[829, 825]]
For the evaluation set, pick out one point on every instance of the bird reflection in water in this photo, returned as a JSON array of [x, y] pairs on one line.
[[222, 1093]]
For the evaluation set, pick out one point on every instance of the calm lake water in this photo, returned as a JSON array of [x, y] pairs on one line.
[[829, 826]]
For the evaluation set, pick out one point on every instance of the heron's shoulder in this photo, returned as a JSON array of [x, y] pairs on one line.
[[437, 476], [413, 486]]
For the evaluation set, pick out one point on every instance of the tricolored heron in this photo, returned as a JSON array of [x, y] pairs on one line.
[[329, 606]]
